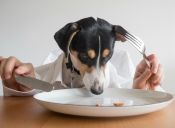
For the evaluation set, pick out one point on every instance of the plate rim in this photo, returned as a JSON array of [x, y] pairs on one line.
[[94, 106]]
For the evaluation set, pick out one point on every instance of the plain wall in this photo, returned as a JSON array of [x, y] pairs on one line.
[[27, 27]]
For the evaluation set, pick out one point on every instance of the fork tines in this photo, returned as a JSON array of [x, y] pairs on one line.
[[139, 44]]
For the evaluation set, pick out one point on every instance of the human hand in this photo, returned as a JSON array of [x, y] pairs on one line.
[[11, 66], [148, 78]]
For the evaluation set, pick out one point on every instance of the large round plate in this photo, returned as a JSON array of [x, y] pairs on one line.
[[82, 102]]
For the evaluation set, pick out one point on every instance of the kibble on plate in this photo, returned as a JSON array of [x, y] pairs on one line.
[[118, 104]]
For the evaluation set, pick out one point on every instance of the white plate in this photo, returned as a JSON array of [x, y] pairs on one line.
[[82, 102]]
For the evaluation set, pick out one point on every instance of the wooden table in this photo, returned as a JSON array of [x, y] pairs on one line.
[[24, 112]]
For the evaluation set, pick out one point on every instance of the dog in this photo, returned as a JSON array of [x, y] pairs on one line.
[[88, 45]]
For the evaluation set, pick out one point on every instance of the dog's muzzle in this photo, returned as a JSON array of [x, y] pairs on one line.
[[96, 88], [94, 81]]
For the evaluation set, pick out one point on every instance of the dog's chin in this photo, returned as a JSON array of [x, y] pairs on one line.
[[96, 82]]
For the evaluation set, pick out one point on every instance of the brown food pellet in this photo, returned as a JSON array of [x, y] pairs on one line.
[[98, 105], [118, 104]]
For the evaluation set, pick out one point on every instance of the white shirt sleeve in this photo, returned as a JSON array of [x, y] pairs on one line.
[[11, 92], [122, 69]]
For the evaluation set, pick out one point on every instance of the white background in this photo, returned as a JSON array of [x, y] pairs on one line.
[[27, 27]]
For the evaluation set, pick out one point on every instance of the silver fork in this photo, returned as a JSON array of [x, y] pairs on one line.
[[135, 41], [139, 45]]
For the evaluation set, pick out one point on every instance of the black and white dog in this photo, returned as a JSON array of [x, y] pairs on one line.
[[88, 45]]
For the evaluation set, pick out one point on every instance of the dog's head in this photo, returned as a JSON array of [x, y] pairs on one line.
[[90, 44]]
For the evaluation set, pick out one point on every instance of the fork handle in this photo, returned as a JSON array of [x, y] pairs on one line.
[[146, 60]]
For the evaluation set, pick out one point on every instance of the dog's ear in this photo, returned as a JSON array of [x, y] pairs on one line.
[[63, 35], [119, 33]]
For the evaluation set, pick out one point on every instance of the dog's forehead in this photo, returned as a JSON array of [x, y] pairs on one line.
[[90, 45], [90, 40]]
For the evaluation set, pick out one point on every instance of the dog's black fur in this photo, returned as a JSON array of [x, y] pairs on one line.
[[87, 37], [90, 35]]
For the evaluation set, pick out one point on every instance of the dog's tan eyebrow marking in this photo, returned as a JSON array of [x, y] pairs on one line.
[[91, 53], [105, 52], [79, 65]]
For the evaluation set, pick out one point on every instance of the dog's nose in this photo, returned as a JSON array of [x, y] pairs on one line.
[[97, 91]]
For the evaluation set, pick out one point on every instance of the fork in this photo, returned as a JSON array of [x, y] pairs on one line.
[[135, 41], [139, 45]]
